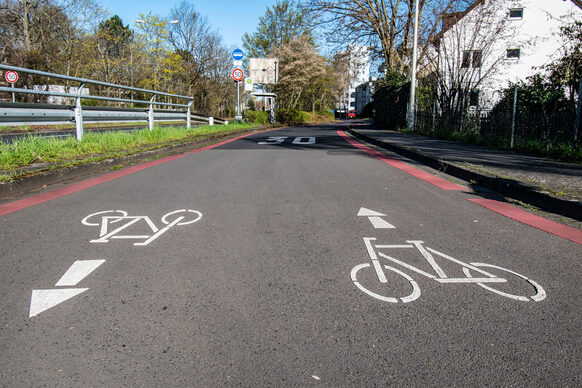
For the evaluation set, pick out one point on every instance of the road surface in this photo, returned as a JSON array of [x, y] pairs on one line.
[[284, 258]]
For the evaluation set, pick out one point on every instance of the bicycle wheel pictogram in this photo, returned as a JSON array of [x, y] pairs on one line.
[[358, 270], [540, 293], [189, 217]]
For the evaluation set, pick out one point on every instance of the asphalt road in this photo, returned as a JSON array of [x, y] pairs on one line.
[[269, 277]]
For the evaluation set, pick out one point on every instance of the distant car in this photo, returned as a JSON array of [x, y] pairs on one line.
[[352, 114]]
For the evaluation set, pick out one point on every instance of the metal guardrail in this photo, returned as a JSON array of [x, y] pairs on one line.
[[24, 113]]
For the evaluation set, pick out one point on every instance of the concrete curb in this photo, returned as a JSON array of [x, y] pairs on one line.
[[42, 179], [507, 187]]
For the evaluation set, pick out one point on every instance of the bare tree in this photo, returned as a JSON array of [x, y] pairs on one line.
[[385, 26], [470, 53], [205, 58]]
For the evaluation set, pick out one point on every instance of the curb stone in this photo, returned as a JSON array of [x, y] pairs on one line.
[[507, 187]]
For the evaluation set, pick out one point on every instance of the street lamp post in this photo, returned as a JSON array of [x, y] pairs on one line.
[[411, 110]]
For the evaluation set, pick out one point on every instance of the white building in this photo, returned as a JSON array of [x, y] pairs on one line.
[[494, 43], [358, 72], [364, 93], [60, 89]]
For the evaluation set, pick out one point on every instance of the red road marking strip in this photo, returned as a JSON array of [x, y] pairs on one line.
[[17, 205], [522, 216], [432, 179], [73, 188]]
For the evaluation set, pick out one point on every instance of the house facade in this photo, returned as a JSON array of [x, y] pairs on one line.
[[497, 42], [357, 60]]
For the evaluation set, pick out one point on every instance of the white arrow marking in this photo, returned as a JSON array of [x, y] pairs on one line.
[[369, 213], [42, 300], [375, 219], [380, 223], [78, 271]]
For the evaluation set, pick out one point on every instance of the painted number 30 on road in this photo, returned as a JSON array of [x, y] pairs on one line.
[[303, 140]]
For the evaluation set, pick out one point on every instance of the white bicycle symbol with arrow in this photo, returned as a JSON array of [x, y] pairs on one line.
[[113, 222], [484, 278]]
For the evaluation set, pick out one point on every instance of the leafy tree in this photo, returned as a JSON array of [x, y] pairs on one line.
[[301, 71], [388, 106], [567, 70], [281, 24], [113, 36]]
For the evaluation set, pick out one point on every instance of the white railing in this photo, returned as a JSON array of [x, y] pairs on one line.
[[29, 113]]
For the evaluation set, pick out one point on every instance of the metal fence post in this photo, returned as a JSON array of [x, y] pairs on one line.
[[433, 115], [513, 117], [578, 112], [79, 113], [188, 118], [151, 113]]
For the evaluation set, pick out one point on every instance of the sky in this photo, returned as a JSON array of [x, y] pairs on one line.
[[230, 18]]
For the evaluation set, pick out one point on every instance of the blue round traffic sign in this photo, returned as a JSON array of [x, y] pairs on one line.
[[237, 54]]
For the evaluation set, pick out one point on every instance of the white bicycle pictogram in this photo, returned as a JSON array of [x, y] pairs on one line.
[[113, 222], [485, 279]]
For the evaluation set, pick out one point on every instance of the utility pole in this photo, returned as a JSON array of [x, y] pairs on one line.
[[411, 110]]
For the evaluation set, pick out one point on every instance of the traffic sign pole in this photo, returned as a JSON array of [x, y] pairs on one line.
[[238, 75], [238, 100], [12, 77]]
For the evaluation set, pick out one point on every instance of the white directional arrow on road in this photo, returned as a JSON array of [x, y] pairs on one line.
[[375, 218], [42, 300]]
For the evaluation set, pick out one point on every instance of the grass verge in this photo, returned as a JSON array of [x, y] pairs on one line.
[[562, 152], [33, 154]]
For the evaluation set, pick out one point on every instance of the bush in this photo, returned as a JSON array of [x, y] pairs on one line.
[[257, 117], [293, 117], [388, 106], [323, 116]]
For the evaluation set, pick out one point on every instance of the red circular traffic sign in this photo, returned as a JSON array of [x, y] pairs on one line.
[[11, 76], [237, 74]]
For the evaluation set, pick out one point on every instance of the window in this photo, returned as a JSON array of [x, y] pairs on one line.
[[472, 58], [474, 97], [516, 13], [513, 53]]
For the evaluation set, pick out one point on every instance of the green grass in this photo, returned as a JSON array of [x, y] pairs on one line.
[[32, 154]]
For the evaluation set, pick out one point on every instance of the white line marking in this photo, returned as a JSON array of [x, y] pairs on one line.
[[405, 265], [471, 280], [429, 258], [394, 246], [78, 271], [377, 267], [42, 300]]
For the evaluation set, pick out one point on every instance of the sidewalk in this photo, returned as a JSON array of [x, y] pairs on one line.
[[551, 186]]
